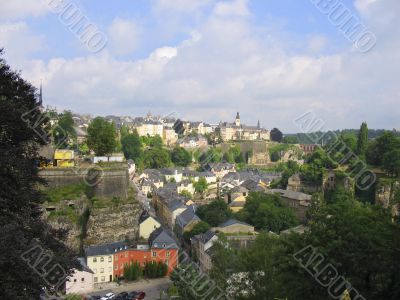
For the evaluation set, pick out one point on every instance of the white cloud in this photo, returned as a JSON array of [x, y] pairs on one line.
[[123, 36], [180, 6], [232, 8], [17, 9], [227, 66]]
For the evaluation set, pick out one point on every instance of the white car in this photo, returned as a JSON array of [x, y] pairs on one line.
[[108, 296]]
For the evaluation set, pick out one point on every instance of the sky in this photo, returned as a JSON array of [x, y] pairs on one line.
[[205, 60]]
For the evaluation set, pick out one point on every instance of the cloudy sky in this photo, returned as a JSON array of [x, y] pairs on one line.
[[272, 60]]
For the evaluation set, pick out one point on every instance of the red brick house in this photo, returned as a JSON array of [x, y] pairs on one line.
[[161, 247]]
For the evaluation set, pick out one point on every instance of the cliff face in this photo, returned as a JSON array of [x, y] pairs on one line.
[[386, 191], [113, 223]]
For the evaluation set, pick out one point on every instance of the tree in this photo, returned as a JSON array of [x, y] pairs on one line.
[[276, 135], [214, 213], [267, 212], [64, 130], [124, 131], [201, 185], [181, 157], [200, 227], [391, 162], [362, 141], [291, 140], [101, 136], [132, 146], [387, 142], [156, 158], [132, 271], [23, 230]]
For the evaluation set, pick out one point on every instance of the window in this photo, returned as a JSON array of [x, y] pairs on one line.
[[116, 257], [167, 262], [94, 271], [167, 254], [164, 245], [109, 259], [154, 254], [95, 279], [82, 279], [74, 280], [101, 270], [116, 267], [101, 259], [103, 278], [94, 259]]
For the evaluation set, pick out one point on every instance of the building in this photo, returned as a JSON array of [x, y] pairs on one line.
[[172, 174], [147, 224], [186, 221], [201, 246], [220, 169], [193, 142], [168, 205], [100, 259], [160, 247], [169, 136], [238, 131], [80, 281], [64, 158], [298, 201], [233, 226]]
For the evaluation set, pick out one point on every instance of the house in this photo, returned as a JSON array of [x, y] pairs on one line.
[[192, 142], [168, 205], [172, 174], [186, 221], [80, 281], [164, 248], [160, 247], [233, 226], [220, 169], [169, 136], [147, 224], [99, 259], [81, 134], [201, 245], [298, 201], [236, 198], [64, 158]]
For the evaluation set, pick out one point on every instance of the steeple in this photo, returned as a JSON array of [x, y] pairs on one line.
[[40, 95], [258, 124], [237, 120]]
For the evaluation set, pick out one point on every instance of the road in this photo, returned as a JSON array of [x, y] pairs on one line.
[[151, 287]]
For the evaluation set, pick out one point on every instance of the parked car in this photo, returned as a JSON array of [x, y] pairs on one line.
[[122, 296], [108, 296], [136, 295]]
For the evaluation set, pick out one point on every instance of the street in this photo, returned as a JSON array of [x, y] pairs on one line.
[[151, 287]]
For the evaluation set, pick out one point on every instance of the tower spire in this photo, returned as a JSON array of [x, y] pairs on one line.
[[40, 95]]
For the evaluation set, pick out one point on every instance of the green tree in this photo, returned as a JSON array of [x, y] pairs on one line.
[[132, 146], [101, 136], [24, 233], [290, 139], [214, 213], [362, 141], [267, 212], [391, 162], [181, 157], [200, 227], [64, 131], [276, 135], [387, 142], [201, 186], [156, 158], [123, 131]]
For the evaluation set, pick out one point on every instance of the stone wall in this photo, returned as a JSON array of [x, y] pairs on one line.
[[107, 183]]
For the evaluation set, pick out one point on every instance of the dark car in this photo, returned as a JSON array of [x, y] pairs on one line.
[[139, 296], [122, 296]]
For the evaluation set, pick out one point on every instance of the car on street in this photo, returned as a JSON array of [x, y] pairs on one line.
[[108, 296], [122, 296], [136, 295]]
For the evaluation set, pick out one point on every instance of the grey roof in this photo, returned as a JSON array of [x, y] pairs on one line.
[[159, 237], [232, 222], [239, 189], [220, 166], [187, 216], [105, 249], [205, 237], [84, 266]]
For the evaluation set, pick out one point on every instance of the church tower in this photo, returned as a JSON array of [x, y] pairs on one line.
[[237, 120]]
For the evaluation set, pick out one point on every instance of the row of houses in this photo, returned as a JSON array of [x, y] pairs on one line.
[[106, 263]]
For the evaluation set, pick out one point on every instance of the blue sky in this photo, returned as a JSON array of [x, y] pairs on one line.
[[206, 59]]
